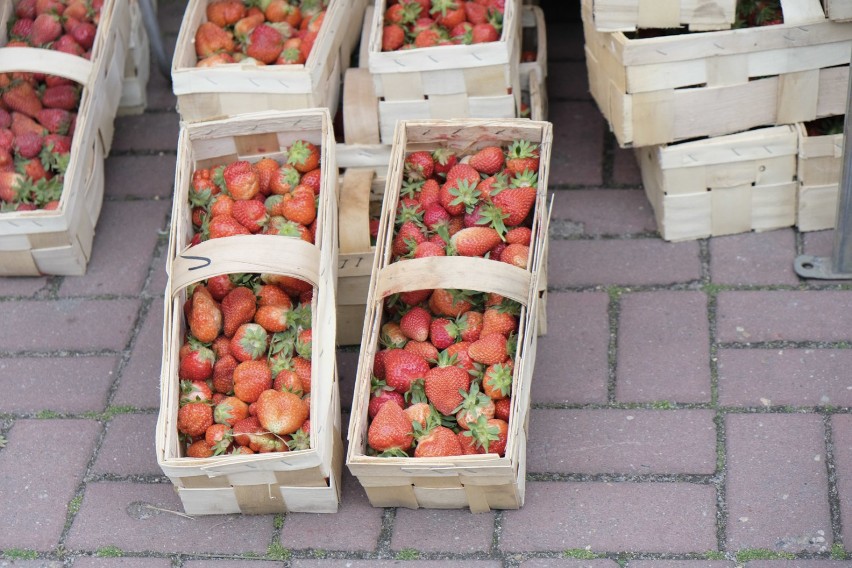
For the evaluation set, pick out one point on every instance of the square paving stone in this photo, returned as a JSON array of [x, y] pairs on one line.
[[30, 563], [41, 467], [158, 277], [572, 363], [776, 484], [139, 386], [568, 563], [780, 377], [77, 384], [611, 517], [663, 348], [23, 286], [451, 531], [680, 564], [335, 563], [232, 563], [798, 563], [125, 562], [149, 132], [141, 517], [605, 211], [129, 431], [577, 152], [841, 430], [142, 176], [754, 259], [635, 442], [625, 171]]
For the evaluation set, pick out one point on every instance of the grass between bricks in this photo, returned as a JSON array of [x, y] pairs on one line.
[[838, 552], [580, 554], [408, 554], [276, 551], [20, 554], [748, 554], [109, 552]]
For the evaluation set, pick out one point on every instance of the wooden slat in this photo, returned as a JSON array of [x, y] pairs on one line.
[[354, 211]]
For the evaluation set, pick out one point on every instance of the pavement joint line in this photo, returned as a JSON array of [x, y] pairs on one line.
[[613, 314], [496, 534], [617, 477], [383, 541], [833, 491]]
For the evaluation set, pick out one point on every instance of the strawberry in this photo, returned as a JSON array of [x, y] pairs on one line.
[[393, 37], [299, 206], [265, 44], [25, 9], [313, 179], [414, 297], [194, 391], [392, 337], [218, 437], [238, 308], [438, 442], [442, 333], [67, 44], [22, 123], [468, 444], [304, 344], [519, 235], [84, 34], [428, 38], [459, 194], [223, 374], [283, 11], [516, 202], [249, 342], [500, 319], [266, 169], [281, 412], [475, 241], [448, 13], [273, 318], [225, 226], [63, 96], [216, 59], [302, 368], [205, 316], [225, 13], [491, 434], [251, 214], [219, 286], [197, 365], [488, 160], [288, 178], [287, 380], [9, 184], [390, 430], [402, 368], [516, 254], [199, 449], [415, 324], [489, 349], [503, 408], [428, 248], [22, 97], [444, 159], [443, 383], [230, 411], [475, 13], [272, 295], [28, 145], [21, 29], [473, 405], [522, 155], [211, 39], [5, 119], [407, 237], [56, 120], [452, 303], [241, 180], [484, 33], [424, 349], [249, 432], [251, 378], [46, 28], [403, 14], [194, 418], [303, 156]]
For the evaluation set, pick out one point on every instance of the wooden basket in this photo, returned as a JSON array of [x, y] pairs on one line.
[[534, 38], [630, 15], [479, 482], [137, 68], [665, 89], [306, 480], [227, 90], [452, 81], [838, 10], [724, 185], [819, 170]]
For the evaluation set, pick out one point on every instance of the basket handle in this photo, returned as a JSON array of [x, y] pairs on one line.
[[360, 108], [354, 210], [37, 60]]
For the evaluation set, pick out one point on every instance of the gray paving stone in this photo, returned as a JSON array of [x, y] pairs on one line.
[[622, 262], [778, 377], [128, 446], [841, 433], [568, 563], [355, 526], [605, 211], [625, 171], [23, 286], [637, 442], [77, 384], [143, 177], [158, 281], [663, 348], [639, 517], [139, 517], [149, 132], [121, 254], [125, 562], [139, 385], [41, 466], [680, 564], [347, 368], [572, 359], [30, 563], [567, 80], [577, 152], [755, 316], [335, 563], [160, 94], [72, 324], [453, 531], [776, 484], [754, 259], [232, 563], [798, 563]]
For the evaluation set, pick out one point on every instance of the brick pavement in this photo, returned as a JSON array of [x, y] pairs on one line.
[[692, 405]]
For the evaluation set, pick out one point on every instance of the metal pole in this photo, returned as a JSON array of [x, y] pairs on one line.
[[149, 19], [839, 266]]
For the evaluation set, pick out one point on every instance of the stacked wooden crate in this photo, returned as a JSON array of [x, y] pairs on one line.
[[699, 88], [137, 68]]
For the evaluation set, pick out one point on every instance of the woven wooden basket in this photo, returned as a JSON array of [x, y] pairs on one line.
[[306, 480], [665, 89], [60, 241], [137, 68], [453, 81], [227, 90], [820, 165], [723, 185], [630, 15], [480, 482]]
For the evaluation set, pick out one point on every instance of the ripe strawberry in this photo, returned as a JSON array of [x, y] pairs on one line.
[[303, 156], [302, 367], [211, 39], [475, 13], [272, 295], [9, 184], [392, 337], [219, 437], [194, 418], [489, 349], [516, 202], [249, 342], [28, 145], [428, 38], [488, 160], [205, 316], [199, 449], [223, 374], [84, 34], [424, 349], [393, 37], [313, 179], [445, 160], [219, 286], [22, 97], [241, 180], [438, 442], [442, 333], [251, 214], [265, 44], [249, 432], [407, 238], [46, 28], [230, 411], [304, 344], [283, 11], [21, 29], [519, 235], [56, 120], [522, 155], [300, 206], [516, 255], [448, 13], [415, 324], [61, 96], [419, 166], [26, 9], [444, 382], [281, 412], [497, 381], [266, 169], [287, 380], [468, 444], [474, 404], [222, 204], [402, 368], [238, 308], [225, 226], [428, 248], [22, 123], [197, 365], [503, 408], [414, 297], [291, 285], [390, 430], [469, 325], [251, 378], [67, 44], [452, 303], [382, 393], [273, 318], [420, 413], [225, 13], [498, 320], [491, 434], [194, 391], [475, 241], [484, 33]]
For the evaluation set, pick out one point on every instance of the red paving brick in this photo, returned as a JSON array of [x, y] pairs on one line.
[[605, 211], [841, 429], [577, 151], [779, 377], [335, 563], [754, 260], [123, 432], [153, 176], [663, 348], [639, 517], [458, 532], [149, 132], [625, 171], [777, 485], [21, 286], [636, 442], [568, 563], [41, 466], [95, 562], [756, 316], [680, 564]]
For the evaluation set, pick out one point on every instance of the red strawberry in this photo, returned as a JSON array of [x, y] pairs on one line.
[[304, 156], [223, 374], [197, 365], [445, 159], [422, 348], [225, 13], [287, 380], [218, 437], [469, 325], [230, 411], [22, 123], [475, 241], [299, 206], [67, 44], [402, 368], [61, 96], [84, 34], [491, 434], [272, 295], [452, 303], [251, 378], [205, 316], [249, 342], [9, 184], [519, 235], [473, 405], [390, 430], [484, 33], [58, 143], [5, 119], [265, 44], [498, 320], [468, 444], [391, 336], [28, 145], [46, 28], [393, 37], [211, 39], [503, 408], [442, 333], [497, 381], [488, 160], [251, 214], [56, 120], [419, 166], [249, 432], [516, 254], [241, 180], [415, 324], [199, 449], [219, 286], [273, 318], [448, 13], [194, 391], [238, 308], [408, 234], [516, 202], [281, 412], [21, 29], [302, 368], [26, 9], [444, 382], [428, 38], [489, 349], [23, 98], [475, 13], [438, 442], [194, 418], [225, 226], [522, 155], [428, 248], [313, 179]]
